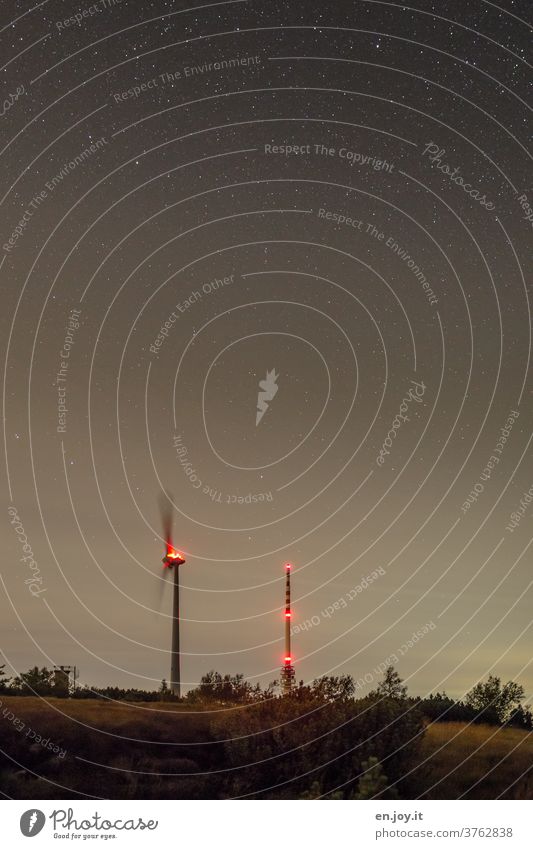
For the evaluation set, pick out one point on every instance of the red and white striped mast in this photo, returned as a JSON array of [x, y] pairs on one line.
[[287, 671]]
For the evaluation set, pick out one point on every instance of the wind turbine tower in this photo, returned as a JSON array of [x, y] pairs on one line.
[[172, 560]]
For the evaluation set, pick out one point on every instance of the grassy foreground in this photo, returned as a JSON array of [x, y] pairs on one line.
[[65, 748], [476, 762]]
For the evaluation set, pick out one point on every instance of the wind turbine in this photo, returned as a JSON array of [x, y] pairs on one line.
[[172, 560]]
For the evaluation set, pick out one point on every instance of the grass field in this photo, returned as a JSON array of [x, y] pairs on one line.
[[139, 742], [476, 762]]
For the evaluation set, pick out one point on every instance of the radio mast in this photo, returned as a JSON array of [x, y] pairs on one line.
[[287, 671]]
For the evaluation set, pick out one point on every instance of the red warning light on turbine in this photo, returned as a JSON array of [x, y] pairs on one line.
[[288, 659], [288, 614], [173, 557], [288, 565]]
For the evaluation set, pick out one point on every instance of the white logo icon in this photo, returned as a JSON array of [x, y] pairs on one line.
[[32, 822], [268, 388]]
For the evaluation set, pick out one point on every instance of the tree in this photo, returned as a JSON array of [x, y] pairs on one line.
[[492, 697], [3, 680], [330, 688], [163, 688], [35, 681], [392, 686], [439, 707], [225, 688], [521, 718]]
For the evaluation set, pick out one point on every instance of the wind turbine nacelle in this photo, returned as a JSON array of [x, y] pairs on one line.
[[173, 558]]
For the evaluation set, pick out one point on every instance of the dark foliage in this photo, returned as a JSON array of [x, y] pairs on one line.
[[489, 702], [229, 738], [280, 748]]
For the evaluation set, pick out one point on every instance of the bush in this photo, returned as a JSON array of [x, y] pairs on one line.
[[278, 748]]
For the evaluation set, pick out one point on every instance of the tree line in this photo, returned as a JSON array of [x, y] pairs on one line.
[[492, 701]]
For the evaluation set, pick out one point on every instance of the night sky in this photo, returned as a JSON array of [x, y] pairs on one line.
[[196, 195]]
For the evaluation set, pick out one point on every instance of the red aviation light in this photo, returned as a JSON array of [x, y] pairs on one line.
[[288, 614], [288, 566], [288, 659]]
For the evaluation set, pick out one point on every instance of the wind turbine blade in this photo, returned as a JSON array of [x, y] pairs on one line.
[[163, 581], [166, 511]]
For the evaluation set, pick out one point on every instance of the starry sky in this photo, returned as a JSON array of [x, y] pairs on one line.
[[198, 194]]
